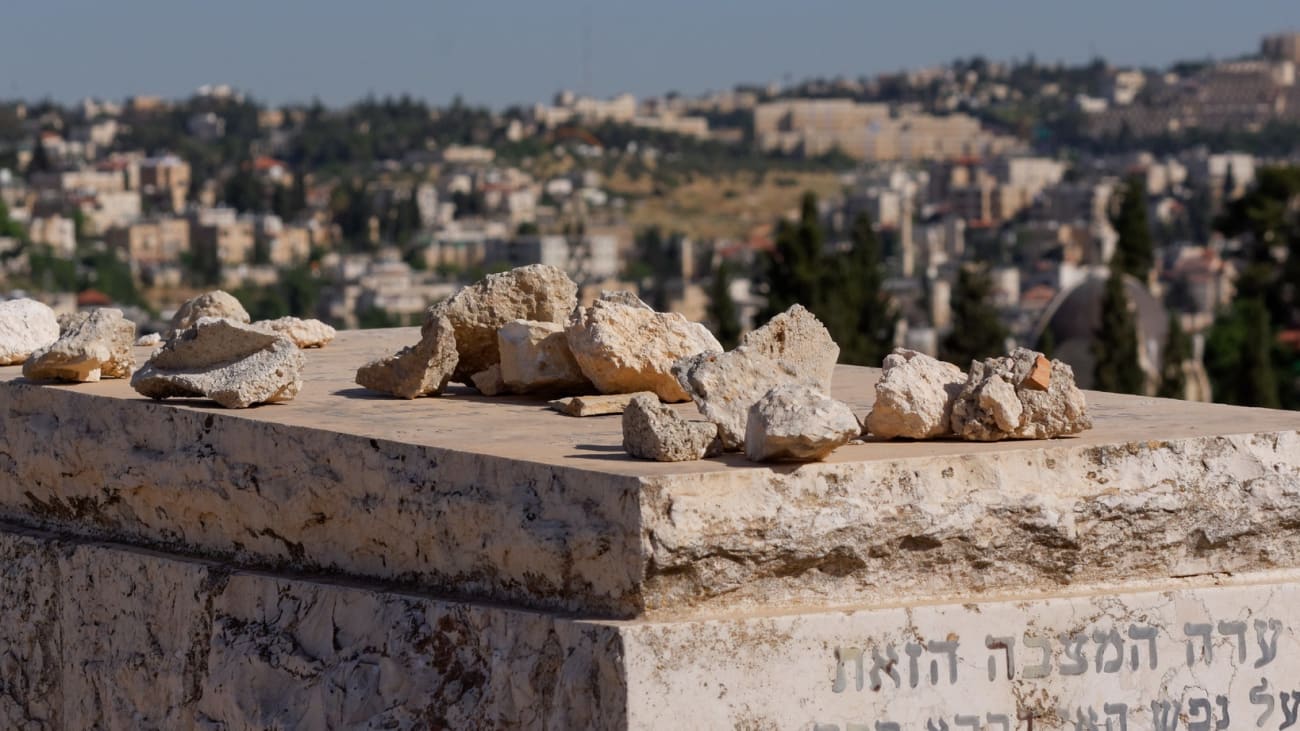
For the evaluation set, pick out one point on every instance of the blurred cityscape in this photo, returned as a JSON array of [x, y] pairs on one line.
[[1141, 224]]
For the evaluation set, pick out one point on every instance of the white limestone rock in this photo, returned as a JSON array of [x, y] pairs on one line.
[[652, 430], [535, 357], [149, 341], [914, 396], [423, 369], [489, 382], [96, 345], [537, 292], [797, 422], [624, 348], [792, 348], [596, 405], [231, 363], [303, 333], [1005, 398], [216, 303], [25, 326]]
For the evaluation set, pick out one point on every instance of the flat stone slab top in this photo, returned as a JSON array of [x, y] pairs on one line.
[[502, 499]]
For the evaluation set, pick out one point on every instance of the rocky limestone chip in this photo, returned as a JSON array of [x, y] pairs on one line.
[[624, 348], [537, 292], [652, 430], [798, 422], [209, 304], [489, 382], [914, 396], [422, 369], [25, 326], [1002, 399], [67, 320], [231, 363], [624, 297], [97, 345], [149, 341], [303, 333], [800, 343], [535, 357], [596, 405]]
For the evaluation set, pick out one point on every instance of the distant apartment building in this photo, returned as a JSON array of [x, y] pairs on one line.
[[622, 109], [57, 232], [85, 181], [165, 181], [283, 244], [151, 242], [595, 257], [224, 232], [1281, 47]]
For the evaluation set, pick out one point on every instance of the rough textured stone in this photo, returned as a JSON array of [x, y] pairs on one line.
[[800, 343], [303, 333], [149, 341], [489, 382], [626, 348], [652, 430], [798, 422], [914, 396], [25, 326], [233, 364], [423, 369], [537, 292], [1001, 400], [216, 303], [535, 357], [596, 405], [98, 345]]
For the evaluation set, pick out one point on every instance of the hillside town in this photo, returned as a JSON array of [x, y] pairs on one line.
[[992, 200]]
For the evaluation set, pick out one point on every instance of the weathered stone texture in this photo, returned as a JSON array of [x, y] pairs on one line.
[[654, 431], [596, 405], [216, 303], [1003, 399], [798, 422], [489, 382], [914, 396], [303, 333], [423, 369], [535, 357], [97, 345], [235, 365], [25, 326], [798, 341], [626, 348]]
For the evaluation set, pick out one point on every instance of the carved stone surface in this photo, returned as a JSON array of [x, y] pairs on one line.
[[797, 422], [303, 333], [626, 348], [235, 365], [535, 357], [97, 345], [417, 370], [800, 343], [489, 382], [654, 431], [914, 396], [596, 405], [537, 292], [25, 326], [1003, 399], [216, 303]]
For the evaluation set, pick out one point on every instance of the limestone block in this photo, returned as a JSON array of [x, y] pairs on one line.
[[216, 303], [914, 396], [596, 405], [797, 422], [97, 345], [800, 343], [149, 341], [535, 357], [537, 292], [1003, 399], [303, 333], [626, 348], [25, 326], [422, 369], [652, 430], [233, 364], [489, 382], [31, 647]]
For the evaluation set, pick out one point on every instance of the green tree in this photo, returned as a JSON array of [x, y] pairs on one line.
[[244, 191], [40, 162], [1239, 355], [977, 332], [722, 308], [793, 270], [1134, 252], [854, 305], [1177, 351], [1115, 346]]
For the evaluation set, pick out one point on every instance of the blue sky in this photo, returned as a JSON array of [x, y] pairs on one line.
[[504, 51]]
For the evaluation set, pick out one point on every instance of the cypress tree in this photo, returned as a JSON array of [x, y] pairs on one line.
[[1115, 347], [722, 308], [854, 305], [1178, 350], [1134, 253], [793, 270], [1258, 381], [976, 330]]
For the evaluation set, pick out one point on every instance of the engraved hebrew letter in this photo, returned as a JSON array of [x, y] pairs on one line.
[[1207, 649], [1224, 721], [1001, 718], [1238, 629], [930, 725], [844, 656], [1044, 666], [1120, 711], [1195, 707], [1289, 710], [972, 721], [889, 666], [1164, 715], [1075, 662], [887, 726], [1111, 639], [1259, 696], [949, 649], [1267, 650], [913, 651], [1142, 633], [1001, 643], [1085, 723]]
